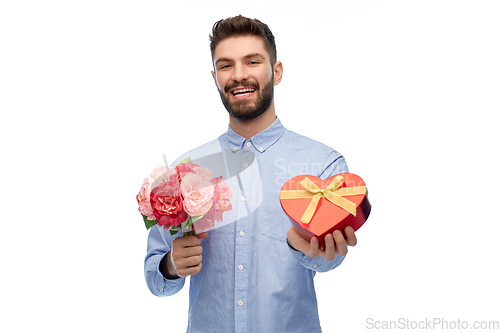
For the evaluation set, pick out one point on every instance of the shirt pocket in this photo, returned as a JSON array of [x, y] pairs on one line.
[[276, 222]]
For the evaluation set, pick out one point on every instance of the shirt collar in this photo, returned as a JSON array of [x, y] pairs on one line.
[[261, 141]]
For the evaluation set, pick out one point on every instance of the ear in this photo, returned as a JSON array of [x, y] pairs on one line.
[[278, 72], [215, 79]]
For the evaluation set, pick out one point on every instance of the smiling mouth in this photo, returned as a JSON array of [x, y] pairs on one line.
[[242, 92]]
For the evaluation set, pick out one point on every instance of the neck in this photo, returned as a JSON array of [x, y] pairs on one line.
[[249, 128]]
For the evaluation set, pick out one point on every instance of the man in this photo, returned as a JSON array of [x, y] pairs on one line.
[[256, 274]]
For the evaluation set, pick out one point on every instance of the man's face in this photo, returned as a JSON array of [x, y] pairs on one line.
[[244, 76]]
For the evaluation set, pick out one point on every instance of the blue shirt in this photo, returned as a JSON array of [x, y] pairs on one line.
[[251, 280]]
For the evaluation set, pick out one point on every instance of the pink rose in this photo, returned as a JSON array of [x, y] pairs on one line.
[[220, 203], [161, 172], [197, 193], [184, 169], [143, 197], [188, 167], [222, 196], [204, 173], [167, 203]]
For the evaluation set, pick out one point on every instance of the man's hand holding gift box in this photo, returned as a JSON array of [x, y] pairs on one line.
[[325, 213], [335, 243]]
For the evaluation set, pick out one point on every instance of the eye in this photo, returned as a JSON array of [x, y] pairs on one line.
[[224, 66]]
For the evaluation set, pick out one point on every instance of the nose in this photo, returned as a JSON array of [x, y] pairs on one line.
[[240, 73]]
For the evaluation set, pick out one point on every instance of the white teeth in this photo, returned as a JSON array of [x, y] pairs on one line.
[[244, 90]]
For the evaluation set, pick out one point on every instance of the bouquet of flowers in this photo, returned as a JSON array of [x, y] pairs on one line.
[[187, 193]]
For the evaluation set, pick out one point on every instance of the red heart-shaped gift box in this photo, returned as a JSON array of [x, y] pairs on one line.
[[318, 207]]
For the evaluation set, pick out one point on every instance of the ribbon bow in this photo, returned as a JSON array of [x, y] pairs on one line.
[[333, 193]]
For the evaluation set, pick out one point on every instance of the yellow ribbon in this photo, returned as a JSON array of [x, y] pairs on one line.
[[333, 193]]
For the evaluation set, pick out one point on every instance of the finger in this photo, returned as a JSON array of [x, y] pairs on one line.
[[186, 252], [202, 235], [313, 248], [340, 243], [329, 253], [296, 240], [183, 272], [351, 236], [187, 262], [183, 248], [186, 241], [184, 265]]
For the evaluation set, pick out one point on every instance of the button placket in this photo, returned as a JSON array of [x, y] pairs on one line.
[[241, 274]]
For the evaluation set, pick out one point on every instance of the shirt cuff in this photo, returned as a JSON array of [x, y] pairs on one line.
[[169, 255], [318, 264], [167, 287]]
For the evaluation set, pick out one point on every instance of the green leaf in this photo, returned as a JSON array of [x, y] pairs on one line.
[[149, 223], [173, 232]]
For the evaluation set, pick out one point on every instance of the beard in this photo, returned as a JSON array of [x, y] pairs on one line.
[[245, 110]]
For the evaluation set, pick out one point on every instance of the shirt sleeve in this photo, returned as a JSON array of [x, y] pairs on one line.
[[318, 264], [159, 244], [335, 164]]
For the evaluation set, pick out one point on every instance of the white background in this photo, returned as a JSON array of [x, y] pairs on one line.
[[93, 92]]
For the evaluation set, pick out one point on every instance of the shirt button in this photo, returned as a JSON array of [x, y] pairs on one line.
[[235, 149], [240, 267], [315, 266], [242, 198], [245, 165], [261, 149], [249, 143], [242, 233], [240, 303]]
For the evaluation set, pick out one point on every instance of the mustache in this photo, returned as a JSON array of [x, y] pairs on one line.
[[236, 85]]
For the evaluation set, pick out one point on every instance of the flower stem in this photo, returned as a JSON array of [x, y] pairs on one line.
[[188, 229]]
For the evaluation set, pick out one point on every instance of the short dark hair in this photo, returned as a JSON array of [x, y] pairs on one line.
[[240, 26]]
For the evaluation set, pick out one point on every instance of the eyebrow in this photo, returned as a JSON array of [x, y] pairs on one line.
[[248, 56], [253, 55]]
